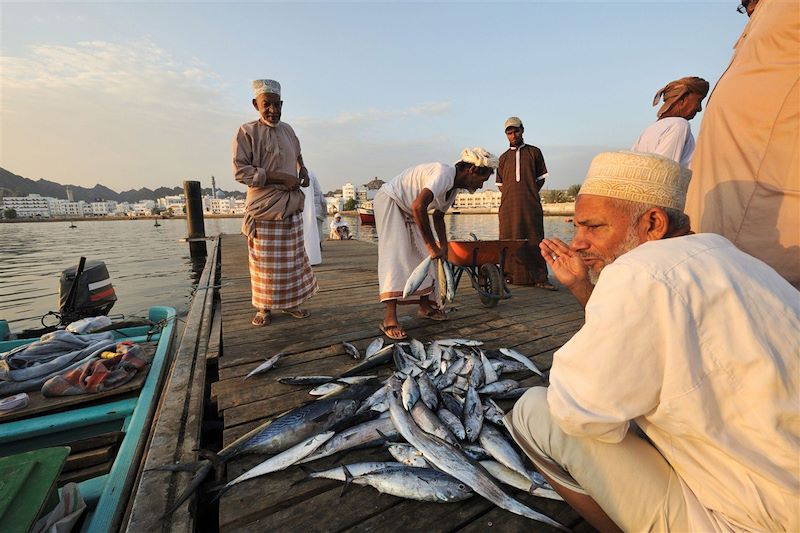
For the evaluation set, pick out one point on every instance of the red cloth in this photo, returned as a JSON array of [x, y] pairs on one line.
[[99, 375]]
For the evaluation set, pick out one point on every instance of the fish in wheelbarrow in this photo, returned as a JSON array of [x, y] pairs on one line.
[[278, 435]]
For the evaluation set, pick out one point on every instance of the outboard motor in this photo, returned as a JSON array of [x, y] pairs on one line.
[[85, 291]]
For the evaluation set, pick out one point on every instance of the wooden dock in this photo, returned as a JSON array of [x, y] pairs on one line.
[[534, 321]]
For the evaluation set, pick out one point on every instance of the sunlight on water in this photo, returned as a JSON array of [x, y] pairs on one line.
[[148, 265]]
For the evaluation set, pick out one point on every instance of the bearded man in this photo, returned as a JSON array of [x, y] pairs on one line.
[[675, 407]]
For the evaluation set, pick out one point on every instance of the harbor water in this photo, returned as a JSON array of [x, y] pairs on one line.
[[149, 265]]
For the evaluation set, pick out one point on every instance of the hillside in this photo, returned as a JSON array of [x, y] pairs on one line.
[[14, 185]]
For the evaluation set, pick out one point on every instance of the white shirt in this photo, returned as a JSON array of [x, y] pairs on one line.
[[671, 137], [699, 343], [436, 177]]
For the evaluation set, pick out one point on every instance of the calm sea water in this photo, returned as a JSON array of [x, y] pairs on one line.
[[148, 265]]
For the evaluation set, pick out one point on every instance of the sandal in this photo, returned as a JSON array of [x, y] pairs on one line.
[[296, 312], [262, 318], [433, 314], [394, 332], [546, 285]]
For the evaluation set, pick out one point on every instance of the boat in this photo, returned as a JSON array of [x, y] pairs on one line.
[[366, 216], [106, 432]]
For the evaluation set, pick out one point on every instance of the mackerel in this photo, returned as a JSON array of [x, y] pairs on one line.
[[263, 367], [513, 354], [417, 276], [421, 484]]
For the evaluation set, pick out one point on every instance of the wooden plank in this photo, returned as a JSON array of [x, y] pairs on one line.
[[77, 461], [76, 476]]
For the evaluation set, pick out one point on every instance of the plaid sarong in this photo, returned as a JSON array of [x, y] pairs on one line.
[[280, 273]]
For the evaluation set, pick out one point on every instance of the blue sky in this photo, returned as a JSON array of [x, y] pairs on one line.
[[149, 94]]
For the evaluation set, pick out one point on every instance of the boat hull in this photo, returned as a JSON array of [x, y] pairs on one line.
[[366, 216]]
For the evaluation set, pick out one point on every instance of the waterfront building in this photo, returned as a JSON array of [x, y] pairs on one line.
[[348, 192], [478, 200], [29, 206], [364, 195], [335, 204], [66, 208], [102, 208]]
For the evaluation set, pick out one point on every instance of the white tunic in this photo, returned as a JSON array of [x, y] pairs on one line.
[[436, 177], [699, 343], [671, 137]]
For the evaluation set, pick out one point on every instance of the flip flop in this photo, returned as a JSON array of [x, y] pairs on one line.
[[396, 332], [546, 285], [434, 314], [262, 318], [296, 312]]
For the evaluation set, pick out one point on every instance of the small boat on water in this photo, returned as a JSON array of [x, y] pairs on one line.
[[366, 216]]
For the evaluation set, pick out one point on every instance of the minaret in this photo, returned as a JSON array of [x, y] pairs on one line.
[[70, 195], [213, 187]]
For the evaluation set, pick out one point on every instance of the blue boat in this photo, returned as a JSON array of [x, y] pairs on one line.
[[127, 414]]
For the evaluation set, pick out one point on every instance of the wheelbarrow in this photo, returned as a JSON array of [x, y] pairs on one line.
[[484, 263]]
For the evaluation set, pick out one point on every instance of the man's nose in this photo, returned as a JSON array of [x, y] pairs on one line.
[[579, 242]]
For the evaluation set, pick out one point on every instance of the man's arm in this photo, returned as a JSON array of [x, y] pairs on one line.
[[419, 209], [244, 171], [302, 171], [540, 170], [441, 231], [673, 140], [568, 267]]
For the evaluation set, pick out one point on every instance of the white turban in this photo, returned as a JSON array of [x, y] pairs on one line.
[[266, 86], [479, 157], [649, 179]]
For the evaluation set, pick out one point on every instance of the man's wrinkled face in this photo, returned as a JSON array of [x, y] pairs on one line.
[[269, 107], [514, 135], [602, 232]]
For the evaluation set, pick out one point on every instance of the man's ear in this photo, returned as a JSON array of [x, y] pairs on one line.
[[655, 223], [255, 105]]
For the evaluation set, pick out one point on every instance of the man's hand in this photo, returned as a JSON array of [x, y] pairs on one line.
[[568, 268], [292, 183], [303, 177], [437, 252]]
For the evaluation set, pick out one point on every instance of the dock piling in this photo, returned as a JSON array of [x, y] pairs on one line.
[[194, 219]]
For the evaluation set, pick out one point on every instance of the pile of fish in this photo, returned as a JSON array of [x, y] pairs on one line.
[[436, 415]]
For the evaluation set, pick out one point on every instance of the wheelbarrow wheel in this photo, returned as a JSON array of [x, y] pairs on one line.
[[491, 283]]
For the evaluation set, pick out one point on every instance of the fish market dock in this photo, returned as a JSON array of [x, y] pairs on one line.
[[207, 404]]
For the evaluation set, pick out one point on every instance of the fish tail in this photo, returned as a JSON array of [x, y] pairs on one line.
[[202, 469]]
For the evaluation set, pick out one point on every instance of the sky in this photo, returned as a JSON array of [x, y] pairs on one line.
[[148, 94]]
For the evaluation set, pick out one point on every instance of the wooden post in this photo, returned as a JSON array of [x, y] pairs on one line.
[[194, 219]]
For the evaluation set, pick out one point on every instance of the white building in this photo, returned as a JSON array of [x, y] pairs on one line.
[[477, 200], [219, 206], [142, 209], [364, 195], [101, 209], [348, 191], [66, 208], [29, 206]]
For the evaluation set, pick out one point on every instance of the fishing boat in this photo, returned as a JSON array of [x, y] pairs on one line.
[[106, 432], [366, 216]]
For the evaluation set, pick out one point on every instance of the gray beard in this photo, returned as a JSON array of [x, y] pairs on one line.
[[630, 242]]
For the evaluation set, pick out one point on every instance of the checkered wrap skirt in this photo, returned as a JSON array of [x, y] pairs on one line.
[[280, 273]]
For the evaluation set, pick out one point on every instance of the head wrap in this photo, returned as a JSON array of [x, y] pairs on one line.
[[674, 90], [649, 179], [266, 86], [512, 122], [337, 215], [479, 157]]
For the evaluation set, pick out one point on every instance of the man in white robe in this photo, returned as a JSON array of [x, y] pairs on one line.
[[671, 135], [404, 228], [687, 340]]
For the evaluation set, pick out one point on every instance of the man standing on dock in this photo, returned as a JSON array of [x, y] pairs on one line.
[[404, 228], [671, 135], [520, 177], [267, 158], [688, 341]]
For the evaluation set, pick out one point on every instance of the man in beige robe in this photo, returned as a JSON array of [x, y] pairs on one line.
[[746, 183]]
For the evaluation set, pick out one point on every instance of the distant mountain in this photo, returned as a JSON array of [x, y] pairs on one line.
[[13, 185]]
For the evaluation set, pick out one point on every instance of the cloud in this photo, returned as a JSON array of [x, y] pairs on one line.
[[373, 115]]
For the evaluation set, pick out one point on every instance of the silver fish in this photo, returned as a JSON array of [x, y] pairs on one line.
[[417, 349], [512, 394], [305, 380], [489, 374], [453, 404], [450, 459], [417, 277], [427, 421], [492, 412], [356, 469], [337, 385], [462, 342], [473, 414], [373, 347], [505, 475], [451, 283], [263, 367], [410, 392], [427, 391], [371, 433], [421, 484], [283, 459], [351, 350], [513, 354], [452, 422], [407, 454], [441, 283], [501, 449], [499, 387]]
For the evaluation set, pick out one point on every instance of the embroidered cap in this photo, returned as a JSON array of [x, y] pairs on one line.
[[480, 157], [266, 86], [649, 179], [512, 122]]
